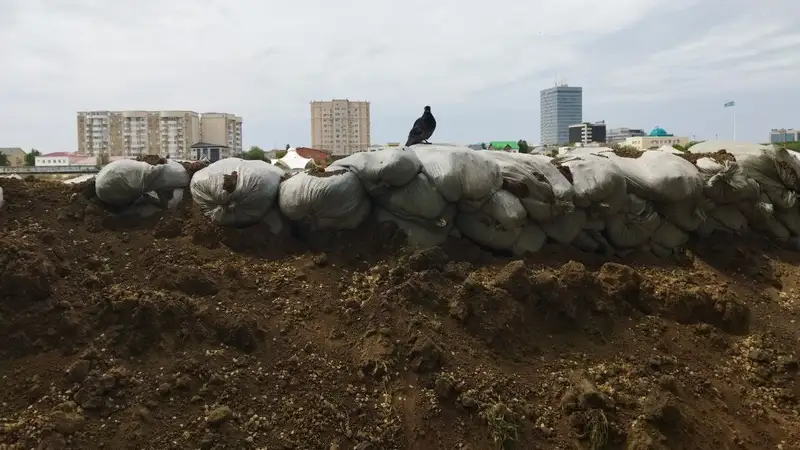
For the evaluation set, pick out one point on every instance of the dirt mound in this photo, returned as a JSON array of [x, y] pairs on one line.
[[719, 156], [169, 332]]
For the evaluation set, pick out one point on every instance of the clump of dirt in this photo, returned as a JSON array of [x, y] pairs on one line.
[[153, 160], [719, 156], [628, 152], [193, 167], [176, 333]]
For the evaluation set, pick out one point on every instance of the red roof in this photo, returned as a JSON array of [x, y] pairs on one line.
[[60, 154]]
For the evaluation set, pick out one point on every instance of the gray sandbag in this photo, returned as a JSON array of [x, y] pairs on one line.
[[729, 218], [419, 198], [420, 235], [459, 172], [325, 201], [661, 177], [236, 192], [505, 209], [388, 167], [670, 236], [543, 190], [727, 183], [123, 182], [790, 218], [565, 228], [686, 215], [776, 172], [598, 183], [486, 231], [634, 226], [531, 239]]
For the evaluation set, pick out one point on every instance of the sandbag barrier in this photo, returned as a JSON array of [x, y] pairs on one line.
[[598, 202]]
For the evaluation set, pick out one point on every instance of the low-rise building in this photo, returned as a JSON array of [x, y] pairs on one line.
[[209, 152], [14, 155], [783, 135], [618, 135], [587, 133], [506, 146], [657, 138]]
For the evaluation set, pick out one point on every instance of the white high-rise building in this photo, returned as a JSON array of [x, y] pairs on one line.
[[560, 107], [340, 126]]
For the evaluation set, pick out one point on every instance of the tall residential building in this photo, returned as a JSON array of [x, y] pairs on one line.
[[222, 129], [561, 106], [340, 126], [619, 135], [165, 133]]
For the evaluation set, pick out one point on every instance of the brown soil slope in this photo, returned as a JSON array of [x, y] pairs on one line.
[[169, 333]]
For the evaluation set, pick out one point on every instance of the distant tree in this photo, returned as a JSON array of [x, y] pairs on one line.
[[3, 159], [523, 146], [280, 154], [794, 146], [30, 158], [255, 153]]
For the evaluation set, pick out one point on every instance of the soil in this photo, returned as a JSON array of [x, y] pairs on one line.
[[170, 333], [719, 156]]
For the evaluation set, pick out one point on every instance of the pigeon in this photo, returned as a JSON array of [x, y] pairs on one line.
[[423, 128]]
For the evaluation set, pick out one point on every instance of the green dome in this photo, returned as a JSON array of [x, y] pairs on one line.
[[658, 131]]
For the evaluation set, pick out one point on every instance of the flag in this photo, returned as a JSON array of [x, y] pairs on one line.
[[730, 104]]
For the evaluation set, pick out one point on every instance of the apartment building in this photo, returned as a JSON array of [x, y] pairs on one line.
[[560, 106], [585, 133], [222, 129], [340, 126], [618, 135], [165, 133]]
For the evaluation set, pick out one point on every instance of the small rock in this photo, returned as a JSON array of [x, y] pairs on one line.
[[79, 370], [758, 355], [425, 356], [515, 280], [219, 416], [163, 389], [444, 388], [67, 422]]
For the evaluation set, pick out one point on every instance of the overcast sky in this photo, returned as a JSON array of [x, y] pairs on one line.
[[479, 64]]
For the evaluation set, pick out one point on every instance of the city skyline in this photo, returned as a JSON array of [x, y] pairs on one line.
[[636, 69]]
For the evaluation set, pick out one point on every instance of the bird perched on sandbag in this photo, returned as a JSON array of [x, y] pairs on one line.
[[423, 129]]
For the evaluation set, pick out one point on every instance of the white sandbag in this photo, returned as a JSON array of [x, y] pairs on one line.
[[729, 218], [670, 236], [172, 175], [274, 220], [597, 181], [417, 199], [707, 227], [387, 167], [564, 229], [122, 182], [486, 231], [506, 210], [776, 230], [584, 242], [325, 201], [660, 250], [2, 199], [661, 177], [459, 172], [759, 212], [530, 240], [544, 191], [594, 223], [776, 172], [236, 192], [418, 235], [634, 226], [790, 218], [727, 183]]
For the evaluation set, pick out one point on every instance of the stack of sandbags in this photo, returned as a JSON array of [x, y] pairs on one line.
[[729, 191], [139, 187], [237, 192], [325, 200]]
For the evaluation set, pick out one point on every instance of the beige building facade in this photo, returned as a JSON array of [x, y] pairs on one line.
[[14, 155], [222, 129], [340, 126], [135, 133], [651, 142]]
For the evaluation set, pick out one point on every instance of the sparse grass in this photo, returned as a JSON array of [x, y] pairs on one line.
[[596, 431], [501, 424]]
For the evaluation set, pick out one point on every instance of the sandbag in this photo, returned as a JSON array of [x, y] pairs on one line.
[[236, 192], [417, 199], [729, 218], [459, 172], [486, 231], [543, 190], [670, 236], [531, 239], [727, 183], [376, 170], [325, 201], [634, 226], [564, 229], [122, 182], [661, 177], [419, 235], [172, 175], [597, 182], [776, 172], [790, 218], [505, 209], [686, 215]]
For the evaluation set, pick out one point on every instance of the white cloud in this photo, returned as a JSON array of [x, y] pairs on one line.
[[266, 59]]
